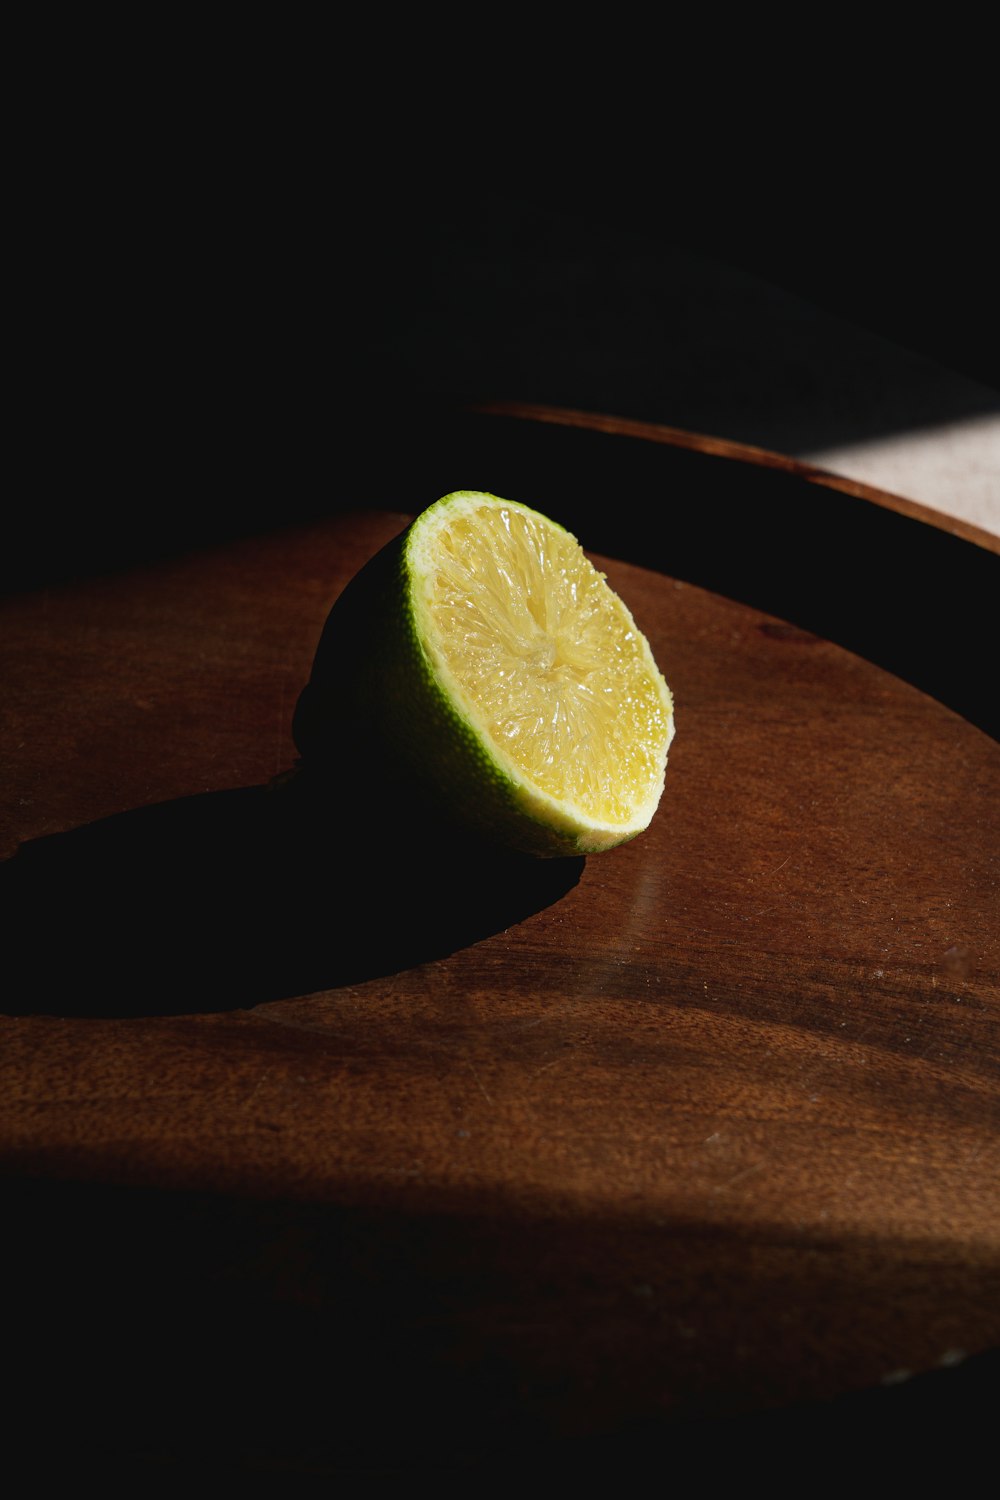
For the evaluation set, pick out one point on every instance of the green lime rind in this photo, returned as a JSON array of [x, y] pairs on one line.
[[375, 683]]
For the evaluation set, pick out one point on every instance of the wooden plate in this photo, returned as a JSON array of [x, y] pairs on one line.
[[402, 1150]]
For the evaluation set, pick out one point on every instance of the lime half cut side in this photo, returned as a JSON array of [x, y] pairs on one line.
[[499, 665]]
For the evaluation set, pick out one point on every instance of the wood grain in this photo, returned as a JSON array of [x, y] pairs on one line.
[[701, 1127]]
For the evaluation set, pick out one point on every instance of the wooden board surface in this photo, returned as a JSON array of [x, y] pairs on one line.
[[705, 1125]]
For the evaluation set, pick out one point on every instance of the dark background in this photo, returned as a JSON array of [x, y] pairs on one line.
[[231, 327]]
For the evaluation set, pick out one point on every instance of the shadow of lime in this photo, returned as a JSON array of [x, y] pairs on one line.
[[230, 899]]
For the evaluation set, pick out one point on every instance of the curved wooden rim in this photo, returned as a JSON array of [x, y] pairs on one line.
[[697, 442]]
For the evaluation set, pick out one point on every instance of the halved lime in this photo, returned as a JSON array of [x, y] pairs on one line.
[[494, 661]]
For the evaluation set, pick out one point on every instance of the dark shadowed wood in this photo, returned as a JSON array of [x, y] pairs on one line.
[[703, 1127], [744, 453]]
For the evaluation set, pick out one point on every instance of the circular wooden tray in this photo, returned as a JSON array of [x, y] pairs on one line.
[[701, 1131]]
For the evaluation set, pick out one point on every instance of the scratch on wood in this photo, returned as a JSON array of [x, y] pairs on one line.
[[263, 1013], [480, 1083], [545, 1067], [257, 1086], [747, 1171]]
